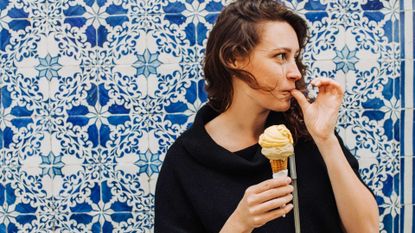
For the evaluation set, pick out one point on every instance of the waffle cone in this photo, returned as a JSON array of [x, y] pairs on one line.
[[278, 165]]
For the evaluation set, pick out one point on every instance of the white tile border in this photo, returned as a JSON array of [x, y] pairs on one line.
[[409, 51], [408, 117]]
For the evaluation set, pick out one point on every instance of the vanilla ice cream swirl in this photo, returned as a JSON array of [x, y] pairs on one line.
[[276, 142]]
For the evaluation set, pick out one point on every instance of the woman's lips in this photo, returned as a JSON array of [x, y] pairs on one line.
[[287, 93], [286, 96], [283, 94]]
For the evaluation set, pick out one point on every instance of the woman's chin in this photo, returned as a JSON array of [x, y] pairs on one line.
[[281, 107]]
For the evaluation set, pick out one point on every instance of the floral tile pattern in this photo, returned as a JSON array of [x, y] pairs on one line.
[[93, 93]]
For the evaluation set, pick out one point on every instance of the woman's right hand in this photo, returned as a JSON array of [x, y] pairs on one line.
[[260, 204]]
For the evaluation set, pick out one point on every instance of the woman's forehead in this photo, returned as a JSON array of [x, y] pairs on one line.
[[278, 34]]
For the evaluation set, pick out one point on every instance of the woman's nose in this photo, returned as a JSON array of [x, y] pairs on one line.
[[293, 72]]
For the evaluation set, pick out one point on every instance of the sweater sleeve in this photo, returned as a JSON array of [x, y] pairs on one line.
[[173, 210]]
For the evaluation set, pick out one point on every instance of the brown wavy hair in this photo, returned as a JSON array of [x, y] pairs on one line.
[[235, 34]]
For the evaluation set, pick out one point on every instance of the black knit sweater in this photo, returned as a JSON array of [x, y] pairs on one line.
[[201, 183]]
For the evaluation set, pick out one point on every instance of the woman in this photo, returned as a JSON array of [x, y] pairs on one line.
[[214, 177]]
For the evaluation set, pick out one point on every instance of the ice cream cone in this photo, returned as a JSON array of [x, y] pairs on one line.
[[279, 165], [277, 146]]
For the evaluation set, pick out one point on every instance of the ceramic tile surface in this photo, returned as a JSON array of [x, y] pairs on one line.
[[93, 93]]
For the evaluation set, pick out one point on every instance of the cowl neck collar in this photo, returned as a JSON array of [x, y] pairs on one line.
[[207, 152]]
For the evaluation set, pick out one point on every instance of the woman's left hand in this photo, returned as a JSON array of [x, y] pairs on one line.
[[320, 117]]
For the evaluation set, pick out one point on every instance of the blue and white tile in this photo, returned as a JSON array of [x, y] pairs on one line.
[[406, 33], [381, 25], [304, 6], [407, 164], [348, 41], [372, 5], [344, 6], [407, 91], [164, 129], [407, 153], [382, 176], [406, 177], [370, 137], [112, 125], [77, 140], [134, 180], [34, 9], [2, 159], [164, 84], [194, 18], [17, 31], [348, 44], [176, 88], [322, 68], [124, 88], [74, 90], [327, 37], [125, 143], [24, 141], [27, 51], [174, 107], [102, 211], [189, 9], [38, 14], [16, 213], [79, 185], [171, 39], [95, 18], [142, 222], [370, 133], [24, 94], [406, 223], [392, 10], [107, 112], [125, 43], [108, 202], [27, 198], [200, 17], [407, 51], [4, 119], [372, 87], [44, 75], [130, 181], [74, 41]]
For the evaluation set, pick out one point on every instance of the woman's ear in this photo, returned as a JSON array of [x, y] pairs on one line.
[[232, 63], [238, 63]]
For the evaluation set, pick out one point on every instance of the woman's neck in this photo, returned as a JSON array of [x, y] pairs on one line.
[[245, 119], [239, 126]]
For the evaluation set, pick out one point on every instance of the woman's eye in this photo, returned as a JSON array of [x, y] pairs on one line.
[[280, 56]]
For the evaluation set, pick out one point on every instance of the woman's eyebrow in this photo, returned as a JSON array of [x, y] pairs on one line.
[[285, 49], [279, 49]]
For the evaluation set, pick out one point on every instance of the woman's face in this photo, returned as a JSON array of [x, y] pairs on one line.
[[272, 63]]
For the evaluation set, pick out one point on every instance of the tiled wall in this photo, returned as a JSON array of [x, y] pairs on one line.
[[93, 93]]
